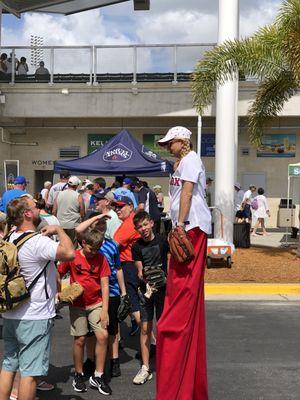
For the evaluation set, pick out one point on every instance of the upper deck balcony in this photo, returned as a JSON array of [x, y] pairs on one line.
[[110, 81]]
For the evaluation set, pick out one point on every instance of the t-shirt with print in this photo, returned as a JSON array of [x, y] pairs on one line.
[[111, 252], [33, 257], [125, 236], [149, 199], [88, 273], [152, 253], [192, 170]]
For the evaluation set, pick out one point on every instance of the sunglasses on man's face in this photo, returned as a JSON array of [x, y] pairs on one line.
[[120, 207]]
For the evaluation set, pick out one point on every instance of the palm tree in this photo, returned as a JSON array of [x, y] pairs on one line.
[[272, 55]]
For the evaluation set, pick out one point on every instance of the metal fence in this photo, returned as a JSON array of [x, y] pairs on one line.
[[90, 63]]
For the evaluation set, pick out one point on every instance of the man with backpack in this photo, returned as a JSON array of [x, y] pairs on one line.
[[27, 327]]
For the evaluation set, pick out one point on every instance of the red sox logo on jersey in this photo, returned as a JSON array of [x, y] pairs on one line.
[[175, 181]]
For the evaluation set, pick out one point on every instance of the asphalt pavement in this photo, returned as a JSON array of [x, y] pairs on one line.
[[253, 354]]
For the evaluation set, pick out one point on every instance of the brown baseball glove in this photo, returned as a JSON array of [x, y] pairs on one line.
[[70, 293], [181, 247]]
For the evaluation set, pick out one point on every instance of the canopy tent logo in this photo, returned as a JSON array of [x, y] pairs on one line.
[[117, 153]]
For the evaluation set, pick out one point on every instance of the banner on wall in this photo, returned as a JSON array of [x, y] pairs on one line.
[[96, 140], [208, 145], [11, 170], [277, 145], [150, 141]]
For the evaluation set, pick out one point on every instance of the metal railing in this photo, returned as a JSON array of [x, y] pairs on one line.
[[94, 59]]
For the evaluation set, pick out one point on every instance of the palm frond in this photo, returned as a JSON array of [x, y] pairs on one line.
[[259, 56], [269, 101], [288, 23]]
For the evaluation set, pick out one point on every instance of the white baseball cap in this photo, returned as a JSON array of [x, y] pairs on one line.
[[74, 181], [177, 132]]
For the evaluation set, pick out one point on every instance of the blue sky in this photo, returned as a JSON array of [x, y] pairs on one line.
[[168, 21]]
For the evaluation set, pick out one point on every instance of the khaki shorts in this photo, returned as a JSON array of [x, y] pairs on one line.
[[84, 319]]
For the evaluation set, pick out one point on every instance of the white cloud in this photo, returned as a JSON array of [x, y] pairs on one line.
[[169, 21]]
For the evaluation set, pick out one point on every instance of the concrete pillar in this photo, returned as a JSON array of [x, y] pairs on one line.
[[1, 10], [226, 125], [199, 133]]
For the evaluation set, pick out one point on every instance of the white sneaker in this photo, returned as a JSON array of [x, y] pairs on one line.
[[142, 376]]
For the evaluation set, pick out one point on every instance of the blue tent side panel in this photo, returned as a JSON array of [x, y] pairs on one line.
[[123, 154]]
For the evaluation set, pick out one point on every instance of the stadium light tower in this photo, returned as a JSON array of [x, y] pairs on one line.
[[36, 53]]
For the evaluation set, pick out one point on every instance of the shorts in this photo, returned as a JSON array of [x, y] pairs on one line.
[[82, 319], [131, 282], [27, 346], [156, 302], [113, 305]]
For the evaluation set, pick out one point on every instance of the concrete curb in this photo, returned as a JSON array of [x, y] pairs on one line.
[[237, 289]]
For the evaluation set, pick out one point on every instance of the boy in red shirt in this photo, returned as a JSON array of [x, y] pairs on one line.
[[91, 270]]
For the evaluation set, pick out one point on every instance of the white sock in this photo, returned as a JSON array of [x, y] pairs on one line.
[[98, 374]]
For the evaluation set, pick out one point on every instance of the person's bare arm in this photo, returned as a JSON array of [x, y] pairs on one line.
[[168, 261], [65, 250], [54, 209], [185, 201], [139, 267], [83, 226], [105, 299], [81, 206], [120, 277]]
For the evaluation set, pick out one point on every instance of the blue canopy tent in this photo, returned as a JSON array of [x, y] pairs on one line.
[[122, 155]]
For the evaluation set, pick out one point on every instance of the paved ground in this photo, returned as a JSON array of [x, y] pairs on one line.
[[276, 238], [253, 354]]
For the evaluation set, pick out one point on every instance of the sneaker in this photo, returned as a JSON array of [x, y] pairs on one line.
[[115, 370], [78, 383], [99, 383], [88, 367], [142, 376], [134, 328], [44, 386]]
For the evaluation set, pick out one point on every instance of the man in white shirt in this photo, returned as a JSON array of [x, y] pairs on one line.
[[55, 189], [246, 204], [26, 329]]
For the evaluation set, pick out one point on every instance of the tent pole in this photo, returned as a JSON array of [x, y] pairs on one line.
[[288, 205]]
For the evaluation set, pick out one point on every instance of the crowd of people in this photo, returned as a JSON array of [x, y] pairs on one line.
[[110, 242], [20, 68]]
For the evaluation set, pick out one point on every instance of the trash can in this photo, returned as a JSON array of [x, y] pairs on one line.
[[241, 235]]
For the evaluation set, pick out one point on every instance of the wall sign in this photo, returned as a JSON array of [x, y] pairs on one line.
[[96, 141], [150, 141], [277, 145], [11, 170], [208, 145], [43, 163]]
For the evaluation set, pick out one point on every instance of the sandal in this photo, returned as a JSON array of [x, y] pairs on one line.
[[44, 386]]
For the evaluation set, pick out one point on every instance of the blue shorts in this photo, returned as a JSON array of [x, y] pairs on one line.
[[131, 282], [26, 346]]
